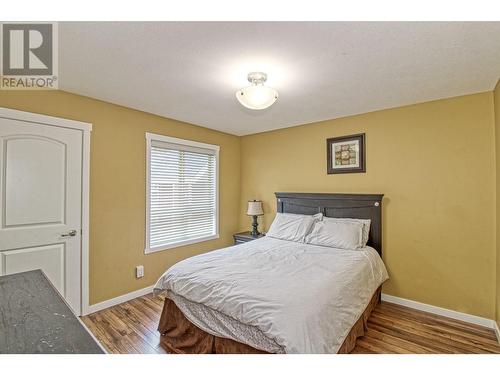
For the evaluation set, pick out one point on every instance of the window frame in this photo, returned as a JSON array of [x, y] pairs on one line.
[[181, 142]]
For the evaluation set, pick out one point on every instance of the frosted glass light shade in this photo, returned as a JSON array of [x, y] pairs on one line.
[[255, 208], [257, 96]]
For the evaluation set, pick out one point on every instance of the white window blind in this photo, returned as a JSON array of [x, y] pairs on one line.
[[182, 192]]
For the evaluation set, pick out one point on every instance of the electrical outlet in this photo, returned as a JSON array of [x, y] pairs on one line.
[[139, 271]]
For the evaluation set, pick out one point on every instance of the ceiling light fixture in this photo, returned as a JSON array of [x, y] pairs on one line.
[[257, 96]]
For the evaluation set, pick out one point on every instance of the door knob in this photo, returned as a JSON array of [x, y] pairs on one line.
[[71, 233]]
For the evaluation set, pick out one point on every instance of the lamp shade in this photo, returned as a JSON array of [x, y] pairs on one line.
[[257, 96], [255, 208]]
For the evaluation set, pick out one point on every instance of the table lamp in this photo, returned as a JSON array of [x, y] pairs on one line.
[[254, 210]]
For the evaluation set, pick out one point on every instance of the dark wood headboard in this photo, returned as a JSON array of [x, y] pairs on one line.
[[356, 206]]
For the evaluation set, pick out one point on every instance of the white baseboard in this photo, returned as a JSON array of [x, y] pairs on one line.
[[489, 323], [117, 300], [497, 331]]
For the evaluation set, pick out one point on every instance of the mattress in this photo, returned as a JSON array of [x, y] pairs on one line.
[[277, 296], [222, 325]]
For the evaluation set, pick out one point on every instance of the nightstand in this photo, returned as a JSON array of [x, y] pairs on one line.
[[243, 237]]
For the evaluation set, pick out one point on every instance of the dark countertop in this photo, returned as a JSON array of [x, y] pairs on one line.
[[35, 319]]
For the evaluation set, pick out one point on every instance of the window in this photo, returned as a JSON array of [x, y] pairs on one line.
[[181, 192]]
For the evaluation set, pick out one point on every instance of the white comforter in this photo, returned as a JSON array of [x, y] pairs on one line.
[[305, 298]]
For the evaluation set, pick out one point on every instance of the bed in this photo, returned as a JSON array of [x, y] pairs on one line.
[[276, 296]]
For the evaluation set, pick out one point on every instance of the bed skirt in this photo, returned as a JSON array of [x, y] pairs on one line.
[[180, 336]]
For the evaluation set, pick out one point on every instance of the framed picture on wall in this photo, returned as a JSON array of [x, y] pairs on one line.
[[346, 154]]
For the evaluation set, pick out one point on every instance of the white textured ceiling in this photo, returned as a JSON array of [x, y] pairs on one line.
[[190, 71]]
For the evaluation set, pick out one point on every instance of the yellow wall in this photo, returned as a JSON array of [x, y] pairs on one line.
[[496, 95], [117, 186], [435, 163]]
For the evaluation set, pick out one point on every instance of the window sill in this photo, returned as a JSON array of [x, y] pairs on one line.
[[179, 244]]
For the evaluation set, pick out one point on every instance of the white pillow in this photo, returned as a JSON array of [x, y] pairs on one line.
[[365, 222], [341, 235], [292, 227]]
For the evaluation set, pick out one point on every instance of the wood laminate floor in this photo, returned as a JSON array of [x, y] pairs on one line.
[[131, 328]]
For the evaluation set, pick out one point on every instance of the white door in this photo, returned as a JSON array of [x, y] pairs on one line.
[[41, 202]]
